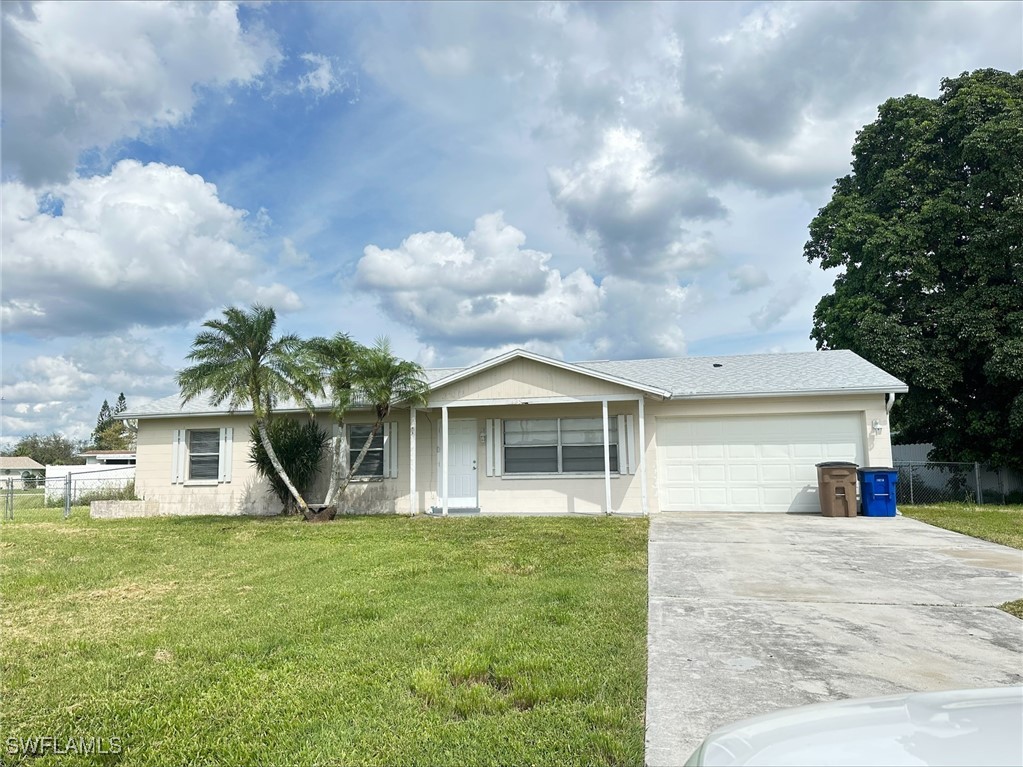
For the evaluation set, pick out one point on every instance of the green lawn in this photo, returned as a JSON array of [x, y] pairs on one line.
[[1000, 524], [366, 641]]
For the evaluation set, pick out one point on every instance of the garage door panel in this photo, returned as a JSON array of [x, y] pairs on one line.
[[751, 463], [710, 472], [743, 472], [840, 451], [680, 473], [769, 450], [741, 451], [710, 452], [805, 473], [678, 452], [711, 497], [778, 496], [815, 452], [681, 497], [776, 472], [746, 496]]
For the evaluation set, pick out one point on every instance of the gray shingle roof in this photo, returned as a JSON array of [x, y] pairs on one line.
[[753, 374], [800, 373], [19, 463]]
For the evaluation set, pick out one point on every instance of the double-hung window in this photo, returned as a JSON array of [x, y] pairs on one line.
[[204, 454], [558, 445], [373, 463]]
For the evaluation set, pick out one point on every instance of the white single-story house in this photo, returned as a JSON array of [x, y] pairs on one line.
[[525, 433], [108, 457], [21, 470]]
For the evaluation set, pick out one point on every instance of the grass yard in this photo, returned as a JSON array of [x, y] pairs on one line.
[[374, 640], [1000, 524]]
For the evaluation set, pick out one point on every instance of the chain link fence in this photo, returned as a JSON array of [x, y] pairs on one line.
[[926, 482], [52, 496]]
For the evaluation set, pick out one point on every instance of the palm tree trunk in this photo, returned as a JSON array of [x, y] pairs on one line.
[[335, 465], [361, 456], [264, 437]]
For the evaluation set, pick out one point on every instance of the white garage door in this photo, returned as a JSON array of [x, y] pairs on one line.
[[751, 463]]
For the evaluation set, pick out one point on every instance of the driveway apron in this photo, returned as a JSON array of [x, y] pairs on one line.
[[750, 613]]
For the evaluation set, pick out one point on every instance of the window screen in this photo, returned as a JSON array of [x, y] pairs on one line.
[[373, 463], [558, 445], [204, 454]]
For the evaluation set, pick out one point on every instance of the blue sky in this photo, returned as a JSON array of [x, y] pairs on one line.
[[585, 180]]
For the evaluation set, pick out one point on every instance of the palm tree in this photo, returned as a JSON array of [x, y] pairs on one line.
[[238, 360], [336, 357], [381, 380]]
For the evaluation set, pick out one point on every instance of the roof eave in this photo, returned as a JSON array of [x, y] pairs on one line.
[[800, 393], [239, 411], [508, 356]]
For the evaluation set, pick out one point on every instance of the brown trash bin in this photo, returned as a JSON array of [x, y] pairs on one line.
[[836, 488]]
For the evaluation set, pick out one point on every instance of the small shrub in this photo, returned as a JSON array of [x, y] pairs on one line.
[[125, 492], [299, 447]]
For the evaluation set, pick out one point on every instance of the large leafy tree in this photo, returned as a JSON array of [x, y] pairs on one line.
[[928, 232], [49, 449], [239, 360], [371, 376]]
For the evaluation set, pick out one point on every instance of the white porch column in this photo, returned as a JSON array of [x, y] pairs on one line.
[[642, 455], [413, 499], [607, 459], [444, 459]]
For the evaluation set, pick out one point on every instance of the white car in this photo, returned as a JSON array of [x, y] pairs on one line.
[[959, 727]]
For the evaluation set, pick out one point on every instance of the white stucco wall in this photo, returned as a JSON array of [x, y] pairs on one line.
[[246, 492], [522, 379]]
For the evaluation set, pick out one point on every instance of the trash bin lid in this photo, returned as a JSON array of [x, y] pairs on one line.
[[827, 464], [876, 468]]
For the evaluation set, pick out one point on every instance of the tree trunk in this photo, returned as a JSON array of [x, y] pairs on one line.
[[264, 437], [335, 465], [358, 461]]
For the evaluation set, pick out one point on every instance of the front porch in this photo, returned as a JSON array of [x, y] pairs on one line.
[[546, 456]]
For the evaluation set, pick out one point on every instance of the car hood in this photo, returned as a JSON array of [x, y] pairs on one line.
[[960, 727]]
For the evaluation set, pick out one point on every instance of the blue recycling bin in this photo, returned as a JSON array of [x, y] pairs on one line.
[[877, 490]]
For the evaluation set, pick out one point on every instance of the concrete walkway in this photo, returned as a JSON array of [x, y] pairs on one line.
[[750, 613]]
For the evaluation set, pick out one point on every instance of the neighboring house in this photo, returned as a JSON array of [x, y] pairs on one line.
[[103, 470], [22, 469], [526, 433], [108, 457]]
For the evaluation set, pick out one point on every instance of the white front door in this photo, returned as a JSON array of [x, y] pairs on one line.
[[462, 456]]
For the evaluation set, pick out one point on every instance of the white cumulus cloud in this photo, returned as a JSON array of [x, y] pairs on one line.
[[83, 75], [632, 212], [143, 245], [485, 290]]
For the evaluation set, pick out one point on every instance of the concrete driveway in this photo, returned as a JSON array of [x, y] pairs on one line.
[[755, 612]]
